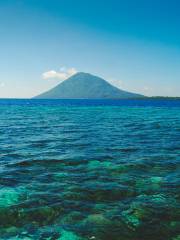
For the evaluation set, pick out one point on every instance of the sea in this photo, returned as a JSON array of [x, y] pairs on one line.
[[89, 169]]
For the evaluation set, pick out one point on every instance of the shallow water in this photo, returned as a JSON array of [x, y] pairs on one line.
[[89, 170]]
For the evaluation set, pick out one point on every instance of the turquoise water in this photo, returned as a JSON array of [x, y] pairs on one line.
[[87, 171]]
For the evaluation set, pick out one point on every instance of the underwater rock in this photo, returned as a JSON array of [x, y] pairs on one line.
[[108, 164], [119, 169], [12, 230], [73, 196], [95, 225], [72, 218], [98, 226], [176, 238], [97, 219], [148, 186], [158, 199], [133, 216], [67, 235], [99, 208], [157, 180], [43, 215], [109, 192], [50, 235], [8, 217], [60, 175], [94, 164], [8, 197], [175, 225], [21, 238]]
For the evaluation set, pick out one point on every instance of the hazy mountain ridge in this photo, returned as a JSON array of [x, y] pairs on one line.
[[86, 86]]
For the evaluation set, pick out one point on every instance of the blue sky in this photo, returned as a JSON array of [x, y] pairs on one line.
[[134, 44]]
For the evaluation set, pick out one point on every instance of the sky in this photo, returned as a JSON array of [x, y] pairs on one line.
[[133, 44]]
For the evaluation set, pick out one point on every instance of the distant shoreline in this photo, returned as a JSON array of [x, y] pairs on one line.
[[141, 98], [158, 98]]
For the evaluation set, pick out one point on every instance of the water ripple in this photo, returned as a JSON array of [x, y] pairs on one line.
[[89, 172]]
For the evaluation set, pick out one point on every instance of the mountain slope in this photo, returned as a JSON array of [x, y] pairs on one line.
[[86, 86]]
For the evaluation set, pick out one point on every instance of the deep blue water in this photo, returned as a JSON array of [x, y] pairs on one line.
[[91, 102], [89, 169]]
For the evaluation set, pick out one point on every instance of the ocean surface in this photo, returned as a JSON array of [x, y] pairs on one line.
[[89, 169]]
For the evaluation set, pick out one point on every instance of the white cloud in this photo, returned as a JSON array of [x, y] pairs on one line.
[[71, 71], [2, 84], [62, 74], [147, 88], [116, 82]]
